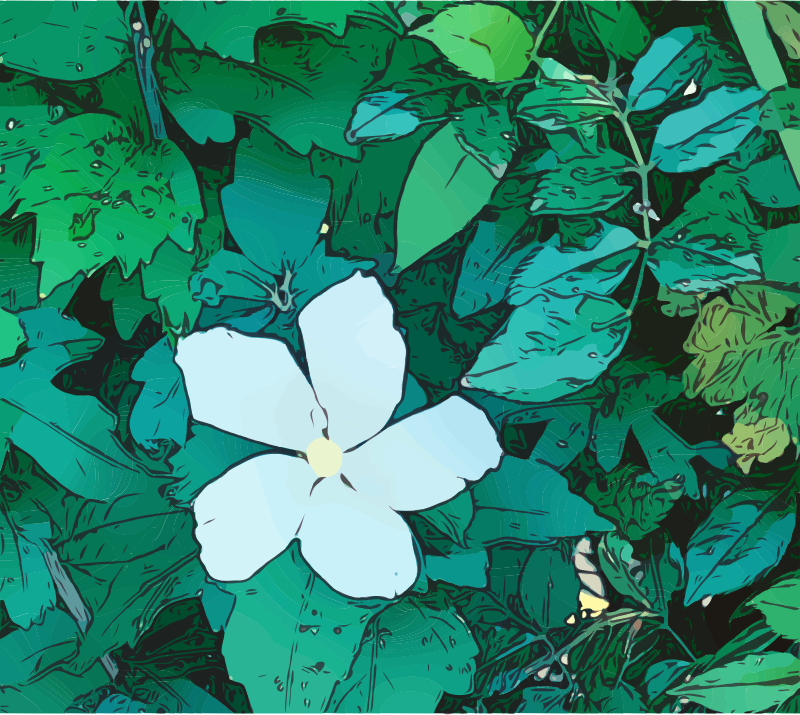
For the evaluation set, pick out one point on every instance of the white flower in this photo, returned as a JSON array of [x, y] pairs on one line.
[[341, 502]]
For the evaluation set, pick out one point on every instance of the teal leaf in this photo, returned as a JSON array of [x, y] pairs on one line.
[[461, 567], [549, 585], [378, 116], [661, 675], [67, 41], [700, 136], [528, 502], [453, 517], [28, 651], [542, 700], [290, 638], [673, 61], [651, 582], [229, 28], [56, 692], [412, 653], [550, 347], [757, 683], [275, 207], [161, 410], [582, 185], [200, 119], [744, 538]]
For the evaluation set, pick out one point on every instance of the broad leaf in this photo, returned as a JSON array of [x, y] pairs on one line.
[[378, 116], [128, 303], [583, 185], [68, 41], [651, 582], [701, 135], [785, 22], [744, 537], [412, 652], [229, 29], [11, 334], [757, 683], [542, 700], [619, 28], [290, 638], [557, 104], [487, 41], [528, 502], [772, 183], [779, 604], [461, 567], [448, 184], [453, 517], [161, 410], [661, 675], [549, 586]]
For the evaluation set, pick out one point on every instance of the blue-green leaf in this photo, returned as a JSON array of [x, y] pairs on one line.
[[661, 675], [772, 183], [701, 135], [378, 115], [744, 537]]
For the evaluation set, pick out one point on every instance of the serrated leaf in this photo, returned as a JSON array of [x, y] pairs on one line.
[[757, 683], [673, 61], [67, 41], [291, 638], [654, 580], [528, 502], [487, 41], [444, 190], [229, 28], [583, 185], [619, 28], [413, 652], [744, 537], [700, 136], [779, 604]]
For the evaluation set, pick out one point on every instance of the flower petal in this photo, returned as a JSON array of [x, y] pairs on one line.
[[251, 387], [358, 549], [424, 459], [249, 515], [356, 358]]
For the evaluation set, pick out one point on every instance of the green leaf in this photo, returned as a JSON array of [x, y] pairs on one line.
[[558, 104], [377, 116], [412, 653], [542, 700], [779, 604], [98, 196], [461, 567], [337, 73], [69, 41], [654, 580], [446, 187], [772, 183], [618, 26], [712, 244], [11, 334], [700, 136], [290, 638], [229, 29], [582, 185], [161, 410], [757, 683], [661, 675], [486, 41], [527, 502], [744, 538], [128, 303]]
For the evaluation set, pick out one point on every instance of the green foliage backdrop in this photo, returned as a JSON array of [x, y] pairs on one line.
[[586, 218]]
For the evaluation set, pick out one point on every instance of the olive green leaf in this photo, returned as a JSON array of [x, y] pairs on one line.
[[487, 41], [765, 440], [229, 28], [618, 26], [741, 355], [744, 537], [757, 683], [785, 23]]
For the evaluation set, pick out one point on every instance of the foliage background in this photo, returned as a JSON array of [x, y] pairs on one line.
[[146, 156]]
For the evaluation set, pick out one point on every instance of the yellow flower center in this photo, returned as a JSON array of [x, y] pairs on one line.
[[324, 456]]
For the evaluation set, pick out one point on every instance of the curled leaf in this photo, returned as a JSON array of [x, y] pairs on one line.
[[764, 440]]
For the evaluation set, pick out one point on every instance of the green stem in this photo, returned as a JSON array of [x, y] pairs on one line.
[[678, 639], [545, 28]]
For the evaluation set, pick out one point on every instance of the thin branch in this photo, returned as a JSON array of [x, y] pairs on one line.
[[143, 49]]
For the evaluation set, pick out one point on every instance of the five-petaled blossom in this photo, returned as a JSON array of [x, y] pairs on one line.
[[340, 498]]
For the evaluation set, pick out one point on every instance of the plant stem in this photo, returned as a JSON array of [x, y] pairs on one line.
[[679, 640], [549, 21], [143, 49]]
